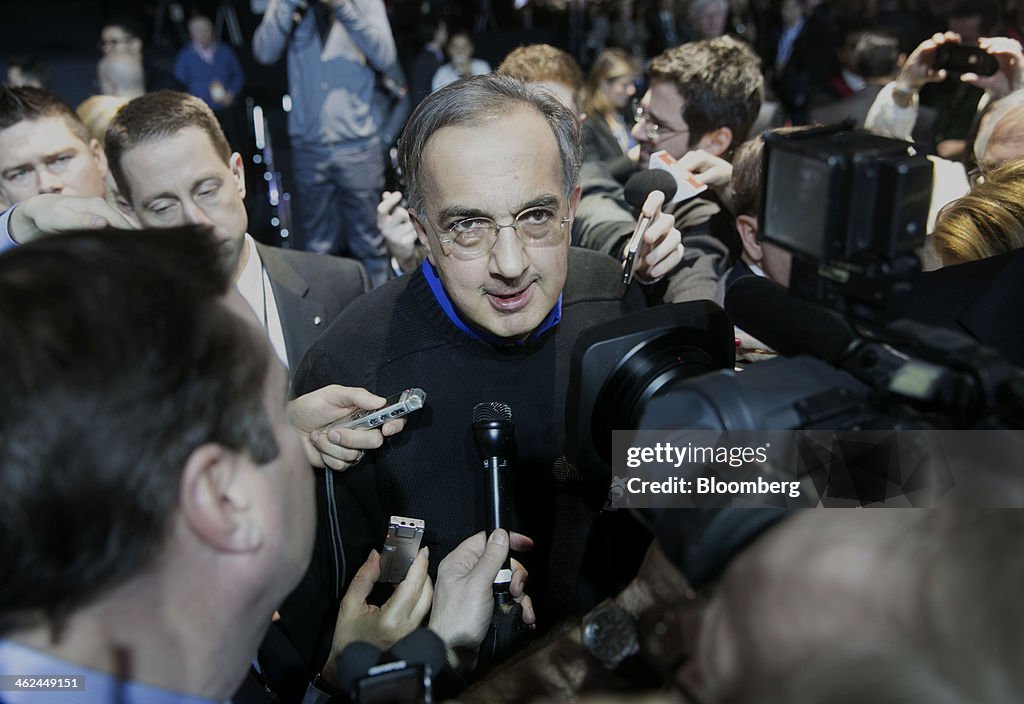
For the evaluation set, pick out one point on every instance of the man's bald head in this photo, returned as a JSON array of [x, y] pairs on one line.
[[1001, 135]]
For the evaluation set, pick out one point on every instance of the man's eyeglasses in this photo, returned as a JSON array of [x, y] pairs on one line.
[[474, 237], [655, 132], [111, 43]]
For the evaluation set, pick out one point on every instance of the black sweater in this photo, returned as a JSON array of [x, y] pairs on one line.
[[397, 337]]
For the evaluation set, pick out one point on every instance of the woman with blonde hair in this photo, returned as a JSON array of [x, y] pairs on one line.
[[989, 220], [606, 95]]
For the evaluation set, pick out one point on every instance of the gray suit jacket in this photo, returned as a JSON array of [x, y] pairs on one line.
[[310, 290], [856, 108]]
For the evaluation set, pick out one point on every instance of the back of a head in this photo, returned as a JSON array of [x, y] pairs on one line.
[[28, 71], [479, 100], [720, 80], [877, 54], [97, 111], [989, 11], [748, 173], [120, 359], [901, 606], [988, 221], [1001, 133], [155, 116], [542, 62], [27, 103]]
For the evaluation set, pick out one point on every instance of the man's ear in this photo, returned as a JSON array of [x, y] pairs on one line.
[[746, 226], [216, 500], [716, 142], [574, 200], [238, 171], [421, 234], [100, 156]]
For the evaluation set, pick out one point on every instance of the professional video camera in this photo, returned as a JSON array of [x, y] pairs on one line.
[[851, 208]]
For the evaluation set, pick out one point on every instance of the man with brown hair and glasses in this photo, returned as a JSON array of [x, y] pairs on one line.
[[702, 100]]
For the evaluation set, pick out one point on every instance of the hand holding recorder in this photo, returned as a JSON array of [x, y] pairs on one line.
[[336, 447]]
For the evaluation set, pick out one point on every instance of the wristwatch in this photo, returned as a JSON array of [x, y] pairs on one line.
[[609, 634]]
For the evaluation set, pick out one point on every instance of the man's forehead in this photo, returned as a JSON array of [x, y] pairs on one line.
[[34, 137], [516, 151], [171, 150], [665, 100]]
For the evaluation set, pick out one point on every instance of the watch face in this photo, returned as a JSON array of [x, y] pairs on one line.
[[609, 634]]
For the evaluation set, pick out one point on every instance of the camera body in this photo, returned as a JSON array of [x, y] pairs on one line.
[[962, 58], [852, 208]]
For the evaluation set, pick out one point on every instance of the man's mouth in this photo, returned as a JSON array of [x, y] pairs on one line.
[[511, 301]]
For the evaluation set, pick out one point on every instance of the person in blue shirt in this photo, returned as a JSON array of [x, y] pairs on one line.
[[208, 69]]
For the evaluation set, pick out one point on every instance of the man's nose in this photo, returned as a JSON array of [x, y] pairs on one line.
[[194, 215], [508, 257], [49, 182]]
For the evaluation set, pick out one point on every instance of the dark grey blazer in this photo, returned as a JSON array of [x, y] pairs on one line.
[[310, 290], [856, 107]]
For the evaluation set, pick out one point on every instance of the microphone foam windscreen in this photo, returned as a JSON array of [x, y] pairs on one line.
[[493, 410], [421, 647], [354, 662], [643, 183], [789, 325]]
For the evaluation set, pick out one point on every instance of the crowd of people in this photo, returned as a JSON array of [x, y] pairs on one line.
[[181, 521]]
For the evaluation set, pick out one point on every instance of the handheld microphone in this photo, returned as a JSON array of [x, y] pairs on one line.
[[639, 186], [421, 647], [494, 432], [354, 662], [495, 437]]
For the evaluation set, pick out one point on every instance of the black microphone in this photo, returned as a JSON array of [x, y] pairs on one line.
[[638, 188], [788, 324], [495, 437], [643, 183], [421, 647], [354, 662], [495, 440]]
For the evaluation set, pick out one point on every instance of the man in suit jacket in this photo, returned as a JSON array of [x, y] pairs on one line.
[[877, 59], [173, 167]]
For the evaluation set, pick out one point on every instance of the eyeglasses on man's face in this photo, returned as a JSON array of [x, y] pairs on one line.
[[474, 237], [655, 132]]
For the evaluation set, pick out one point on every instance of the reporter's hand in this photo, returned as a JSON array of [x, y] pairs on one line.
[[396, 227], [337, 448], [917, 70], [708, 168], [53, 213], [661, 249], [385, 625], [464, 598], [1009, 77]]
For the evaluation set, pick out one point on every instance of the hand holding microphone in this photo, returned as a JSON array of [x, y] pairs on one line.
[[656, 247]]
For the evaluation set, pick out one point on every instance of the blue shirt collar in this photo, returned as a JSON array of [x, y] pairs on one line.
[[437, 288]]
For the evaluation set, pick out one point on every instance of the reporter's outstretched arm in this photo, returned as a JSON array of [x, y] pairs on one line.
[[385, 625], [464, 598], [336, 448]]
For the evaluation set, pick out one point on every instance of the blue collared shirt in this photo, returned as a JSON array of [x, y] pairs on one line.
[[551, 320], [99, 687]]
